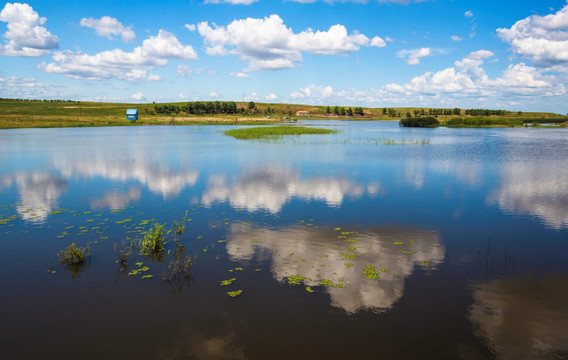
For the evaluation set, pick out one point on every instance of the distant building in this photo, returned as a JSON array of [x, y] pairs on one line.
[[132, 114], [302, 113]]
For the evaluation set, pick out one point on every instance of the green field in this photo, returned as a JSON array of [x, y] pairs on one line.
[[41, 113]]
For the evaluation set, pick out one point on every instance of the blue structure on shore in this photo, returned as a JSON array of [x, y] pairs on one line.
[[132, 114]]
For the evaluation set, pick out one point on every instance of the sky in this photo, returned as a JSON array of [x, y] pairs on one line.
[[502, 54]]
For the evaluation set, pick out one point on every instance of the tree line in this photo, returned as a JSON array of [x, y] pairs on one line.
[[337, 110], [199, 108]]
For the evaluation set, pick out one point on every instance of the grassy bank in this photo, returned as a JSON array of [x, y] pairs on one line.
[[42, 114], [274, 132]]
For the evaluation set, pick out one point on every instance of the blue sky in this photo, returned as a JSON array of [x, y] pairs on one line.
[[431, 53]]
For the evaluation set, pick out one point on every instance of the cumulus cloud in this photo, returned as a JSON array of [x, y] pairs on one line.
[[25, 36], [118, 64], [190, 27], [138, 96], [456, 38], [108, 26], [271, 97], [464, 83], [28, 88], [268, 44], [541, 39], [412, 57]]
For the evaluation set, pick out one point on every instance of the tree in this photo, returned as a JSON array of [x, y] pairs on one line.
[[251, 105]]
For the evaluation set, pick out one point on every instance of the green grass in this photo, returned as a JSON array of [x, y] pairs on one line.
[[153, 242], [53, 114], [74, 258], [274, 132], [479, 121]]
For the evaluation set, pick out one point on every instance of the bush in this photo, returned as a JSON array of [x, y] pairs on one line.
[[427, 121]]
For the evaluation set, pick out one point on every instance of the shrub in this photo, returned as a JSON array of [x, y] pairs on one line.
[[427, 121]]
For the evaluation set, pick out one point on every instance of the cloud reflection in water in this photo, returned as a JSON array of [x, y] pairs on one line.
[[523, 318], [320, 254], [269, 189]]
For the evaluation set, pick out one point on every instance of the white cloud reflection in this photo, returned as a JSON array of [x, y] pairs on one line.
[[523, 318], [318, 254], [536, 189], [148, 169], [271, 188], [38, 193], [117, 199]]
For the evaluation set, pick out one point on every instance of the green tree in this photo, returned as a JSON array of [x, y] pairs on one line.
[[251, 105]]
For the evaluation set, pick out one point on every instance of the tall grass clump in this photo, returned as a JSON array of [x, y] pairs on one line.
[[74, 258], [479, 121], [179, 272], [274, 132], [124, 251], [153, 242]]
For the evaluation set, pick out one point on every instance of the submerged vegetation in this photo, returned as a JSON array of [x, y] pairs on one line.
[[74, 258], [274, 132]]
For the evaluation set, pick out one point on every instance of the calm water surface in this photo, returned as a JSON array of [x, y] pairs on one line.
[[344, 247]]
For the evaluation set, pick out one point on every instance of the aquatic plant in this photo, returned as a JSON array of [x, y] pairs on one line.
[[371, 272], [179, 228], [274, 132], [234, 293], [73, 254], [153, 242], [124, 251], [74, 258], [227, 282]]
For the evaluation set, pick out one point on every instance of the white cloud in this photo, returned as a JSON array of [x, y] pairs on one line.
[[251, 97], [412, 57], [239, 75], [466, 84], [541, 39], [108, 26], [468, 14], [268, 44], [190, 27], [271, 97], [117, 64], [213, 95], [28, 88], [234, 2], [138, 96], [183, 70], [26, 36], [456, 38]]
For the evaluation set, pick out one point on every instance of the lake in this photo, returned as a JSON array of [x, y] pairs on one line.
[[374, 242]]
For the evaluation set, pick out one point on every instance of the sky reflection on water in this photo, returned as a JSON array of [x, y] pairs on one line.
[[474, 206]]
